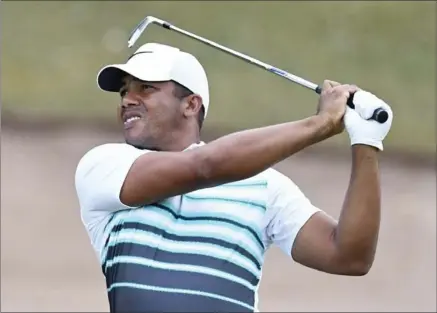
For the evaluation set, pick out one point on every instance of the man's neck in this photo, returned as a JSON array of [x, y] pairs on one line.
[[181, 141]]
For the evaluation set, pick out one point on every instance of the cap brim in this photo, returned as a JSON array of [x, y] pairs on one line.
[[110, 78]]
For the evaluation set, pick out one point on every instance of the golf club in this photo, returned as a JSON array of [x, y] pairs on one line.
[[379, 115]]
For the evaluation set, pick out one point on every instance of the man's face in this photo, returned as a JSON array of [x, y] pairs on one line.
[[149, 112]]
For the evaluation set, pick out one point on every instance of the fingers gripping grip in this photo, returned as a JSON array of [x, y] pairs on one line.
[[379, 115]]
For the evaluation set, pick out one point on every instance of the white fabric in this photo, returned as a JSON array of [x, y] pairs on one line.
[[101, 172], [362, 130], [99, 177], [156, 63], [288, 209]]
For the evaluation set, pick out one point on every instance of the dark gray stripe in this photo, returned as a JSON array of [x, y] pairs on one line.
[[145, 275], [137, 300], [113, 215]]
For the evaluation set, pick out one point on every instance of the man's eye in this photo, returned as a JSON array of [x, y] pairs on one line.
[[122, 93], [146, 87]]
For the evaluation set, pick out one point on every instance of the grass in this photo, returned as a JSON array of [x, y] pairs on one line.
[[51, 56]]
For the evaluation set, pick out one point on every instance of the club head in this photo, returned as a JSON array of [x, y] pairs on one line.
[[136, 33]]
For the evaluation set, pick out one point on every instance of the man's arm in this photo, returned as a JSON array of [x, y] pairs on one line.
[[156, 176], [347, 247]]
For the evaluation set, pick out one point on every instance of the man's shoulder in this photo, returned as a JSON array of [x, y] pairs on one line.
[[273, 176], [280, 184], [107, 153], [106, 150]]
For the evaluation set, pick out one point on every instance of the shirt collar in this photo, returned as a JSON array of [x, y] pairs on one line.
[[195, 145]]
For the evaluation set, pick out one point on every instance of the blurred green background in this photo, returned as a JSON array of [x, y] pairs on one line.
[[52, 51]]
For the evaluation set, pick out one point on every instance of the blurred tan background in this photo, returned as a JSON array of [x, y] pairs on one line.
[[53, 112]]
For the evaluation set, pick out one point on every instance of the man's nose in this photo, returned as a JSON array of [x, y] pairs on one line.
[[129, 100]]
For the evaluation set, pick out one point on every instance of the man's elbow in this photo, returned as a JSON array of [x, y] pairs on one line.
[[360, 268], [353, 265], [353, 261]]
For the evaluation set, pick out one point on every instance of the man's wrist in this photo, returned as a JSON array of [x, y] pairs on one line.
[[363, 141], [363, 149], [322, 125]]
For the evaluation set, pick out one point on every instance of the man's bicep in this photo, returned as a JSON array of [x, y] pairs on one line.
[[305, 232], [314, 244], [300, 229]]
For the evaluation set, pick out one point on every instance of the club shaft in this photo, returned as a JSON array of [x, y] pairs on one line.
[[379, 115], [268, 67]]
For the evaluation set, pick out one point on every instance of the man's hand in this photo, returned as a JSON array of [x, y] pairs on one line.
[[332, 104], [362, 130]]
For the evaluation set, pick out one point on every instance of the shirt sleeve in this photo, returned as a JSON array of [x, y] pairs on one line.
[[288, 209], [100, 174]]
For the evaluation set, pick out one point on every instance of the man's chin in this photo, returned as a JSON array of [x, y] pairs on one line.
[[140, 144], [134, 142]]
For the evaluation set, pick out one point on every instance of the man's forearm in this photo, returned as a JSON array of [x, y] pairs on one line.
[[357, 232], [246, 153]]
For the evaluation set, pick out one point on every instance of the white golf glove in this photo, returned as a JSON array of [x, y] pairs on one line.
[[362, 130]]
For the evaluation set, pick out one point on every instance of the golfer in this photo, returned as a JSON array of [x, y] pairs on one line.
[[183, 225]]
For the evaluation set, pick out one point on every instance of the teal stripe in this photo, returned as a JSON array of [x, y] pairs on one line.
[[220, 199], [182, 291], [261, 184], [179, 268], [132, 217]]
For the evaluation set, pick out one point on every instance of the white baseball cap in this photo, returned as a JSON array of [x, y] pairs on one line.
[[156, 63]]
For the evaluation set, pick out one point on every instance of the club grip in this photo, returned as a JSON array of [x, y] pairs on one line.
[[379, 115]]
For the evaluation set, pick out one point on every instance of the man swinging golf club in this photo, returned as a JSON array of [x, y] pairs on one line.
[[183, 225]]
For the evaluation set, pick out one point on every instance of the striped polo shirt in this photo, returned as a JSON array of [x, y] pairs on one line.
[[200, 251]]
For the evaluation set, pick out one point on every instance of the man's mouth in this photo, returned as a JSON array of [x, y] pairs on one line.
[[130, 119]]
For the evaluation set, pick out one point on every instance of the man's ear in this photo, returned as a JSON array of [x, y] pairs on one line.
[[193, 104]]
